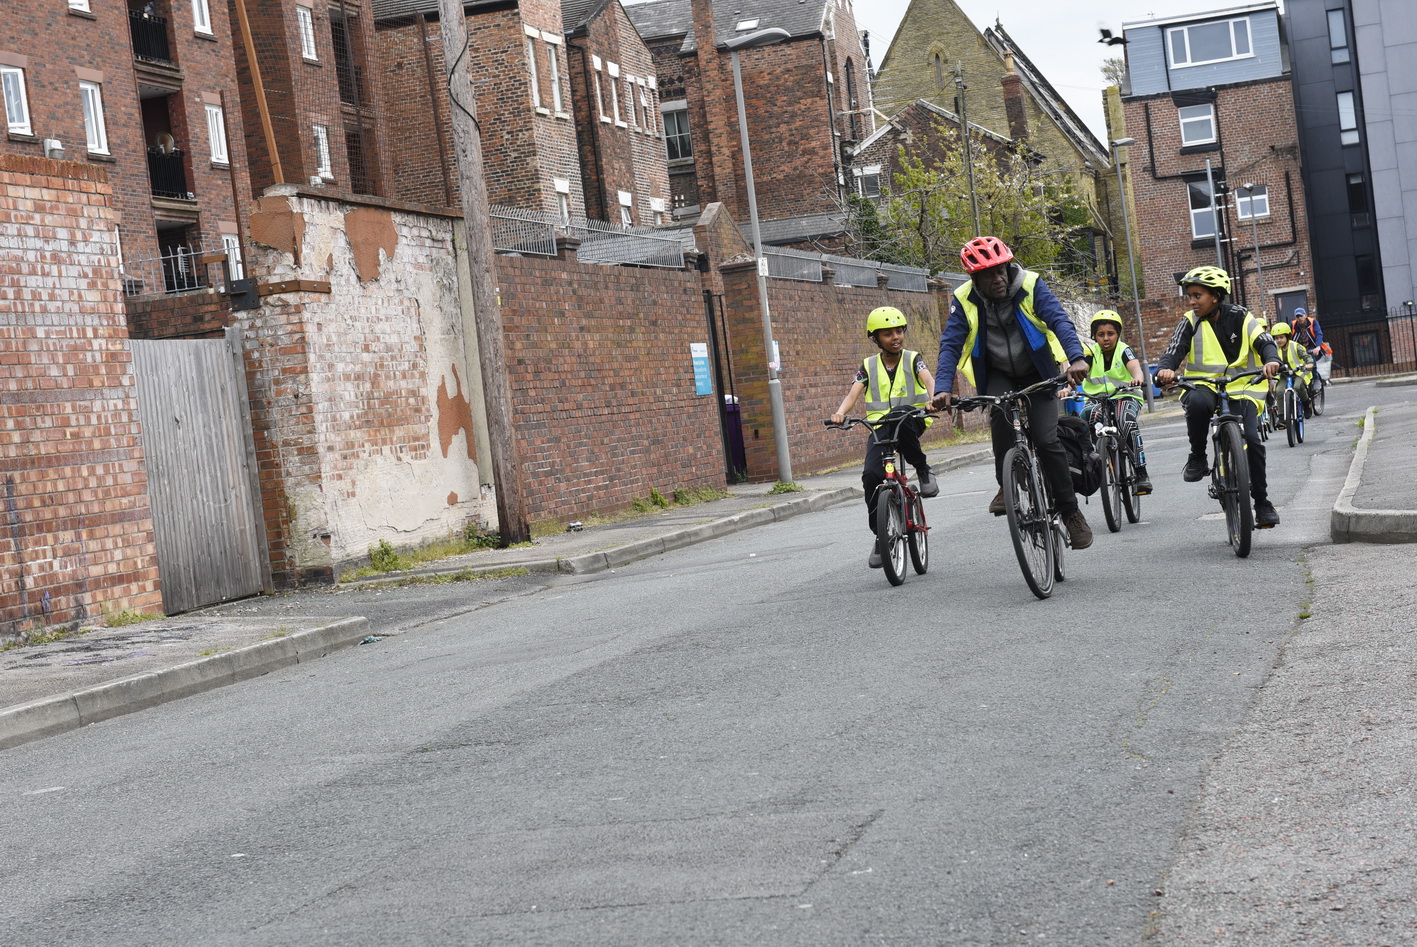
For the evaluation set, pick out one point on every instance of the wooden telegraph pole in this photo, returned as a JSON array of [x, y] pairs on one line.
[[467, 144]]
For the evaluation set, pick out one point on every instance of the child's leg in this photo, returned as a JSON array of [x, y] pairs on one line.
[[873, 474]]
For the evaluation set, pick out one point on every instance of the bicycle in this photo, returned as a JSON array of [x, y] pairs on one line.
[[1268, 411], [900, 524], [1118, 449], [1316, 393], [1230, 475], [1291, 407], [1035, 525]]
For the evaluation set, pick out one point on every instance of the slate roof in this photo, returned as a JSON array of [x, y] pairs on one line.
[[663, 19], [1047, 97]]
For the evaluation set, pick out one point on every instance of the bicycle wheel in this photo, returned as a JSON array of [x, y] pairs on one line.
[[1291, 424], [1232, 483], [1131, 500], [1318, 398], [1112, 484], [1028, 521], [890, 532], [1059, 543], [1298, 418], [919, 537]]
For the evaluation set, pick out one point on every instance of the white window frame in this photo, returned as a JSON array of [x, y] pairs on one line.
[[533, 73], [95, 128], [17, 102], [563, 200], [649, 124], [614, 71], [599, 97], [870, 171], [1201, 215], [216, 134], [632, 112], [627, 208], [1183, 33], [1252, 203], [1348, 119], [324, 167], [80, 5], [202, 17], [676, 108], [305, 26], [231, 243], [553, 73], [1191, 117]]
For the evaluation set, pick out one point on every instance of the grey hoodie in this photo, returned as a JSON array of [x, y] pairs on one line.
[[1005, 348]]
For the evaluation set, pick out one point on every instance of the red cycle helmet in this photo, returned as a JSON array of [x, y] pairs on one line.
[[984, 252]]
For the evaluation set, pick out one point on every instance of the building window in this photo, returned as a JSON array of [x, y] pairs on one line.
[[627, 216], [17, 104], [563, 200], [94, 129], [216, 134], [1369, 292], [645, 110], [1337, 37], [81, 5], [1252, 203], [676, 135], [1358, 200], [1347, 119], [630, 101], [1202, 210], [868, 181], [231, 243], [613, 79], [305, 24], [852, 105], [553, 75], [532, 75], [202, 16], [323, 167], [1197, 124], [1209, 42], [599, 96]]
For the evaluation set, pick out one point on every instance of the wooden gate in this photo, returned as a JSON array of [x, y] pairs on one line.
[[211, 541]]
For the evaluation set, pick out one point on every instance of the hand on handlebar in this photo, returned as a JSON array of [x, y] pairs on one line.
[[1077, 371], [838, 418], [1271, 369], [942, 401], [1165, 377]]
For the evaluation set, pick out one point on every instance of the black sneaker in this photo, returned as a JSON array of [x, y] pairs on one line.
[[1196, 468], [875, 561], [1143, 483], [1266, 516], [996, 505], [929, 486]]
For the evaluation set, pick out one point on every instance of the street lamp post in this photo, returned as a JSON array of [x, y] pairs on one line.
[[1249, 189], [1132, 260], [779, 415]]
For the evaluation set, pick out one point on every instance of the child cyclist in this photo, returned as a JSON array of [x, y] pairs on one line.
[[1294, 357], [1217, 338], [895, 377], [1112, 364]]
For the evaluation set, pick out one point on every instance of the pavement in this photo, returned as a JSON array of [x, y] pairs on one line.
[[96, 672]]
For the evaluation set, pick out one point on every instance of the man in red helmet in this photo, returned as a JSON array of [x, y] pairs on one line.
[[1007, 331]]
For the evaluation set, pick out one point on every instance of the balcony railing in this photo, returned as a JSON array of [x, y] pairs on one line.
[[149, 37], [180, 269], [167, 174]]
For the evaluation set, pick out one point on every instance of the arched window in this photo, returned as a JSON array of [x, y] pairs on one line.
[[939, 71]]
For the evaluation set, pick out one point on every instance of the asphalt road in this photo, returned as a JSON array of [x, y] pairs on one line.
[[751, 740]]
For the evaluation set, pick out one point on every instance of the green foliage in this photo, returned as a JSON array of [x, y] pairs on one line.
[[474, 537], [657, 498], [128, 617], [384, 558], [784, 487]]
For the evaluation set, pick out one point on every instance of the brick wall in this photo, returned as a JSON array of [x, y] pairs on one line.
[[76, 536], [179, 316], [1258, 145]]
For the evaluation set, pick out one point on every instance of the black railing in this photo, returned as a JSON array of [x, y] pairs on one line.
[[149, 37], [167, 174]]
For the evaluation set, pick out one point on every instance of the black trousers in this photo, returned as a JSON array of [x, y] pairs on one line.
[[1200, 405], [1043, 428], [873, 474]]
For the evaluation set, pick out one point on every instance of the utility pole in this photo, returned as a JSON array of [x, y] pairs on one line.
[[968, 160], [513, 525]]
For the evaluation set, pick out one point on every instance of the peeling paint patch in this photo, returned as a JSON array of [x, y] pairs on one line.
[[369, 230], [275, 224], [452, 498], [454, 414]]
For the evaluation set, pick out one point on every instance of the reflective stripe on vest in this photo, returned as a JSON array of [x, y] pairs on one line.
[[884, 393], [1208, 358], [1101, 380], [1035, 330]]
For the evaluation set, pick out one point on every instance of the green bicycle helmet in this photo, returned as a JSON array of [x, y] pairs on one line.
[[1106, 315], [1211, 277], [885, 317]]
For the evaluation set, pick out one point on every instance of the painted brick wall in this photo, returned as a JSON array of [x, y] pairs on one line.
[[76, 537], [1259, 145]]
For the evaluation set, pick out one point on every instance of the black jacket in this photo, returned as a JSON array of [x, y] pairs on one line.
[[1228, 323]]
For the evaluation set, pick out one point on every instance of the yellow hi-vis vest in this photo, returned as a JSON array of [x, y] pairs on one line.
[[904, 390], [1035, 330], [1293, 357], [1099, 379], [1208, 358]]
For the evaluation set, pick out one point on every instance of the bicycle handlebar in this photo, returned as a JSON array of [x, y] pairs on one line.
[[1189, 382], [976, 402], [894, 416]]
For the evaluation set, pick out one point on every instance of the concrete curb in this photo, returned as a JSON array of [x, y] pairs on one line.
[[37, 719], [1348, 524]]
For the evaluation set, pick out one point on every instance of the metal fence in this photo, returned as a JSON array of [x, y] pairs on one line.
[[784, 263], [515, 230], [181, 269], [518, 230], [793, 264], [1373, 346]]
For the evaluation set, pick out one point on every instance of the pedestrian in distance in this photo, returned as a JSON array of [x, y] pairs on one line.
[[1310, 337], [1218, 338], [1112, 364], [1006, 331], [894, 377]]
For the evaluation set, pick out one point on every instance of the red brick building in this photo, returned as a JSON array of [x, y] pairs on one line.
[[145, 91], [807, 99]]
